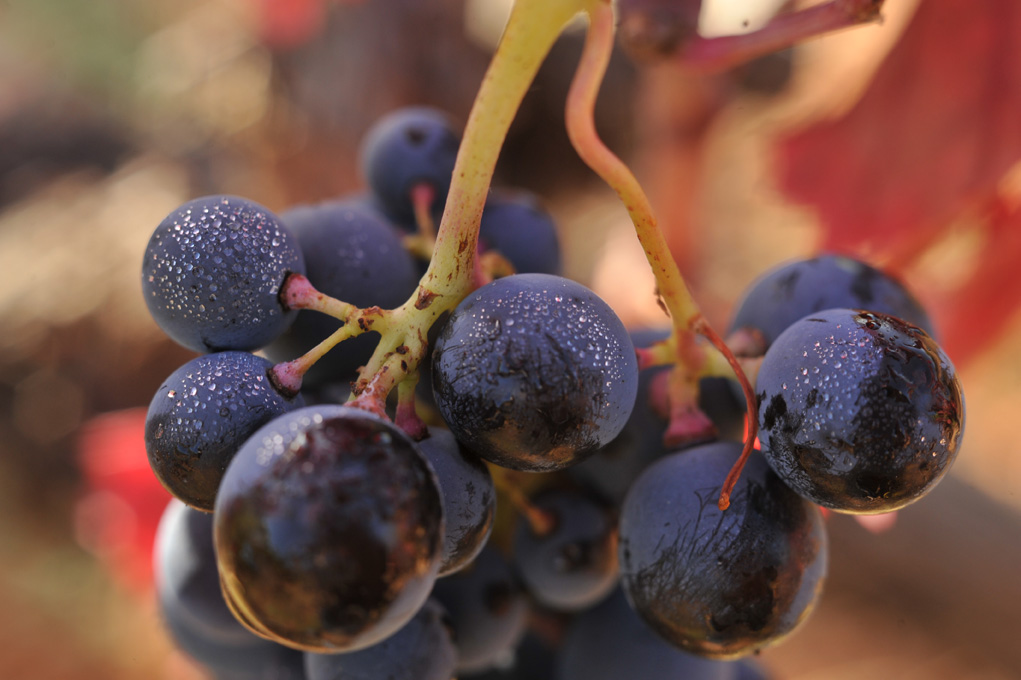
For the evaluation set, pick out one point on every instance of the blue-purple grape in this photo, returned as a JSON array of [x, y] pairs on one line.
[[212, 274], [858, 411], [407, 147], [519, 228], [610, 642], [573, 565], [794, 290], [469, 498], [194, 612], [351, 254], [329, 530], [534, 372], [202, 414], [423, 649], [488, 610], [720, 584]]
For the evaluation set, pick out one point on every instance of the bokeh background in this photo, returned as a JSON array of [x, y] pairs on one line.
[[897, 142]]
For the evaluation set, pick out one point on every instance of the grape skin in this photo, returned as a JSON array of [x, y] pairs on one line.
[[329, 530], [406, 147], [574, 565], [194, 612], [720, 584], [515, 225], [422, 650], [858, 411], [469, 498], [202, 414], [534, 372], [212, 274], [792, 291]]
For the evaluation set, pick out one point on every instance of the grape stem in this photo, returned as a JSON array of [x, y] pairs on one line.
[[786, 30], [687, 422]]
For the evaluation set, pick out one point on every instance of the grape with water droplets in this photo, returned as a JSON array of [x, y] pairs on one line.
[[202, 414], [534, 372], [859, 412], [212, 274]]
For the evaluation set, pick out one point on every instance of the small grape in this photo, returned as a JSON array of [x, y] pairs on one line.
[[422, 650], [194, 612], [202, 414], [212, 274], [534, 372], [516, 226], [488, 610], [720, 584], [329, 530], [407, 147], [469, 498], [573, 565], [794, 290], [858, 411]]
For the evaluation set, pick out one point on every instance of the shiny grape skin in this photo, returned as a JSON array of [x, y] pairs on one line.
[[423, 649], [516, 225], [534, 372], [574, 565], [720, 584], [488, 610], [406, 147], [212, 272], [202, 414], [794, 290], [610, 642], [194, 612], [351, 253], [469, 498], [858, 411], [329, 530]]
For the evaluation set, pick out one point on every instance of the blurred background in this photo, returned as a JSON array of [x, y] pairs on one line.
[[897, 142]]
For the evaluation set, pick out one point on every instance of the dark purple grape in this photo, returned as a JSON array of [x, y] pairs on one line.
[[573, 565], [469, 498], [212, 274], [202, 414], [610, 642], [422, 650], [488, 610], [519, 228], [407, 147], [794, 290], [329, 530], [194, 612], [351, 254], [720, 584], [534, 372], [858, 411]]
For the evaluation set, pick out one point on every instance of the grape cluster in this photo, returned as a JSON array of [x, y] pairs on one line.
[[317, 539]]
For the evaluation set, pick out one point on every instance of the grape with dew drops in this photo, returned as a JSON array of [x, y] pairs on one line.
[[858, 411], [212, 274], [202, 414], [534, 372]]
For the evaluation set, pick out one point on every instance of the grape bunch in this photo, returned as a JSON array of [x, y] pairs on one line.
[[338, 516]]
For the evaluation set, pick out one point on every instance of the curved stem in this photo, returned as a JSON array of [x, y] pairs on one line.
[[687, 423]]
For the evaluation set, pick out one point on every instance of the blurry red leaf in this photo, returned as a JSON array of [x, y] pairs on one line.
[[116, 518], [285, 24], [936, 130], [975, 313]]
